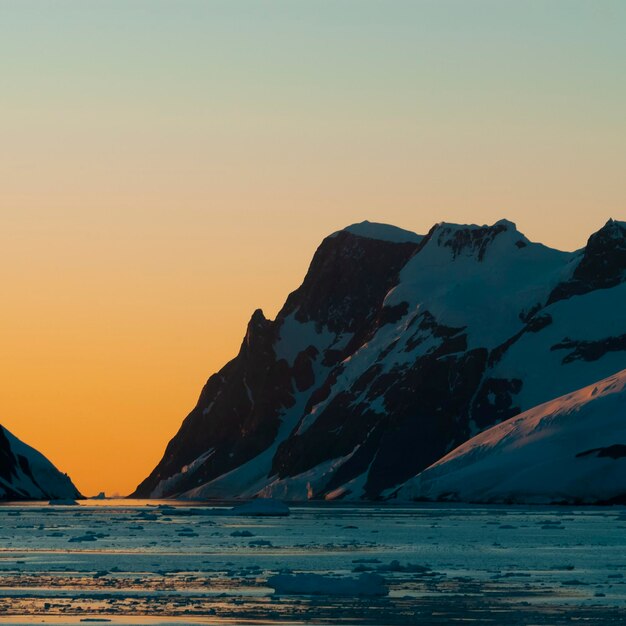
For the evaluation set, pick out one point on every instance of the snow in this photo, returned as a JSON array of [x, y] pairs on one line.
[[382, 232], [169, 484], [465, 291], [306, 485], [353, 489], [252, 479], [248, 480], [539, 456], [589, 317], [367, 355], [266, 507], [317, 584], [296, 336]]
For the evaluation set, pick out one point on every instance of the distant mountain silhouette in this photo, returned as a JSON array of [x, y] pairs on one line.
[[26, 474]]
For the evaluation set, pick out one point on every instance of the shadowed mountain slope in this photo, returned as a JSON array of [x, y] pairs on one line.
[[26, 474]]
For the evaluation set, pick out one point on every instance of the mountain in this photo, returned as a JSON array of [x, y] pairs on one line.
[[572, 449], [396, 349], [26, 474]]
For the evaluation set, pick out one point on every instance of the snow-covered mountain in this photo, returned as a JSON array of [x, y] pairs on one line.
[[26, 474], [572, 449], [396, 349]]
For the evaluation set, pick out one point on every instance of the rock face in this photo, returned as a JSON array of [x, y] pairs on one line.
[[567, 450], [396, 349], [25, 474]]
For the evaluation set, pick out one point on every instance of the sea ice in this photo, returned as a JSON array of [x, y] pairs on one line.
[[261, 507], [318, 584]]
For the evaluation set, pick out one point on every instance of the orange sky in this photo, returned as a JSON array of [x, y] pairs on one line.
[[166, 168], [109, 334]]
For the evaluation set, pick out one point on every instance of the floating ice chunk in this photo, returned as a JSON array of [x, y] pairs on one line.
[[261, 507], [396, 566], [241, 533], [148, 517], [186, 512], [81, 538], [317, 584], [260, 543]]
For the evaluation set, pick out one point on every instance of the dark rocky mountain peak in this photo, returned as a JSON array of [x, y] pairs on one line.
[[472, 240], [349, 276], [382, 232], [602, 263], [259, 332]]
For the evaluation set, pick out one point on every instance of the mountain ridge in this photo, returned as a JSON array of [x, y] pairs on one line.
[[390, 354], [26, 474]]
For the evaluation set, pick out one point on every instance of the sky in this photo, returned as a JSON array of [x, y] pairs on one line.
[[168, 167]]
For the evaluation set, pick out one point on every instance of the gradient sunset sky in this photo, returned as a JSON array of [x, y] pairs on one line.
[[167, 167]]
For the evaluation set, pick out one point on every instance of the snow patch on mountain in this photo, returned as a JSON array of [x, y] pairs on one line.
[[352, 490], [248, 480], [572, 449], [296, 336], [466, 275], [171, 483], [304, 486], [586, 319]]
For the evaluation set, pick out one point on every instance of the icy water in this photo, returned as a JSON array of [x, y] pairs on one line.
[[138, 563]]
